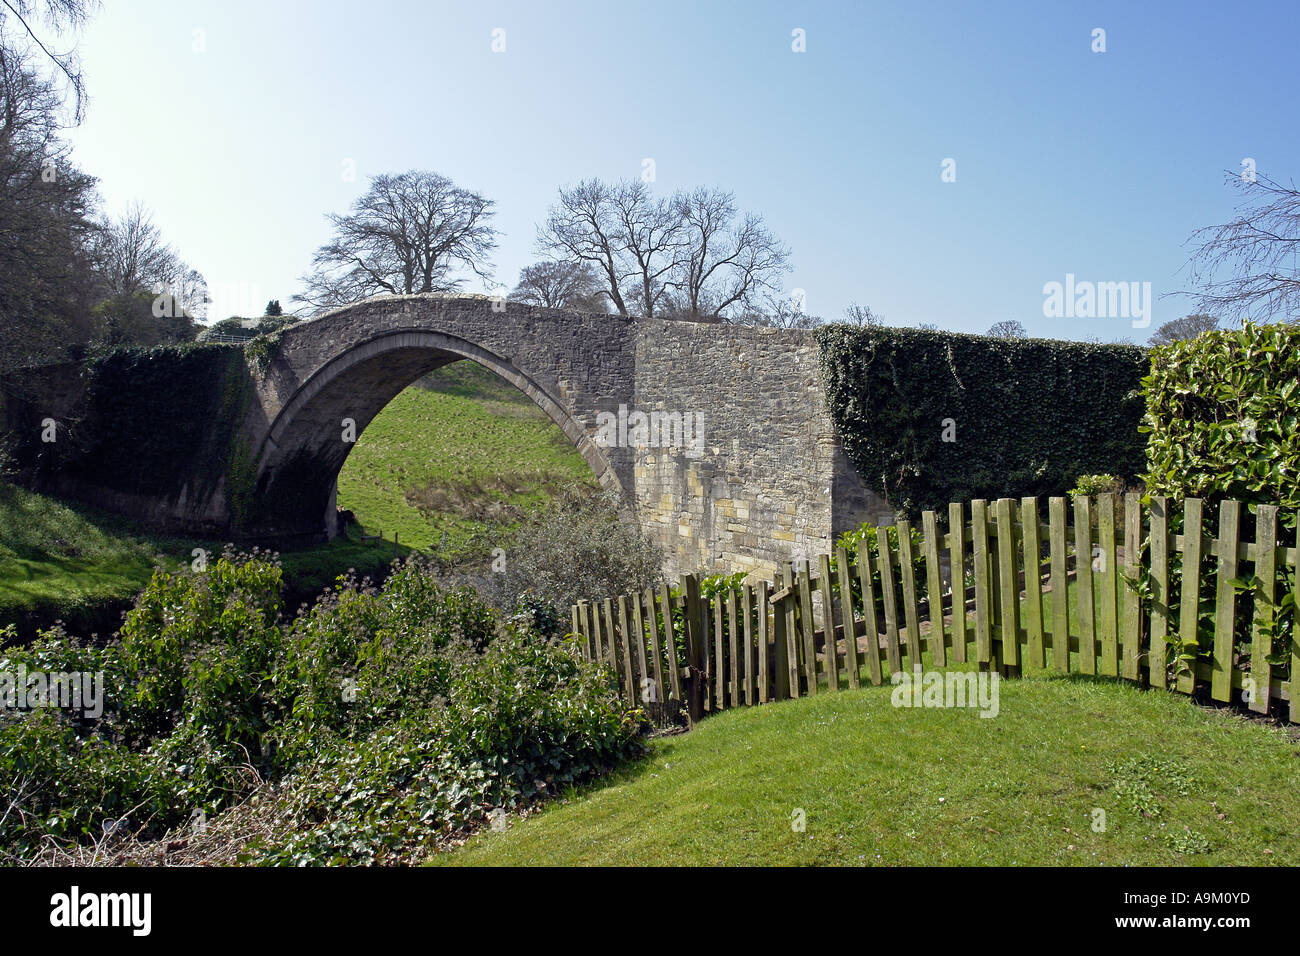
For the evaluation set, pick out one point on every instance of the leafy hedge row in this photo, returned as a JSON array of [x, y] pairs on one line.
[[380, 719], [932, 417], [1223, 417]]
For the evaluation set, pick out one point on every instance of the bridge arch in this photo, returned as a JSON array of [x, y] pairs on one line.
[[305, 446]]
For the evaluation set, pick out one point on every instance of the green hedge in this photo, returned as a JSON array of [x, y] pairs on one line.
[[1028, 415], [1223, 417]]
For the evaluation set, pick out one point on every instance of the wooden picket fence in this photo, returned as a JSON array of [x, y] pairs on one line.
[[840, 622]]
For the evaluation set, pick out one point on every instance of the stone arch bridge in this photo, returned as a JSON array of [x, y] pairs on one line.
[[757, 477]]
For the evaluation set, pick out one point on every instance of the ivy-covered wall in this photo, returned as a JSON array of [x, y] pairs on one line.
[[154, 419], [933, 417]]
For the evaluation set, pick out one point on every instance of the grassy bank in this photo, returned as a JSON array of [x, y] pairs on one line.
[[453, 464], [62, 561], [880, 785]]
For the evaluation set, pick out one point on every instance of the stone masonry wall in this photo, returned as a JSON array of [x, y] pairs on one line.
[[772, 483]]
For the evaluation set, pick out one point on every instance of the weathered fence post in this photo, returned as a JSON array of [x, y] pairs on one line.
[[697, 649]]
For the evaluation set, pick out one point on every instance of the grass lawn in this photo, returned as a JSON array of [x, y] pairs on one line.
[[464, 459], [1179, 784]]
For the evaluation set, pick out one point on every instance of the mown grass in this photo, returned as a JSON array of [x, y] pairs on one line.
[[464, 458], [880, 785]]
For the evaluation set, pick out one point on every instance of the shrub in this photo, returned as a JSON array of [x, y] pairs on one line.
[[1027, 416], [380, 717], [1223, 418], [523, 719], [1089, 486], [581, 549]]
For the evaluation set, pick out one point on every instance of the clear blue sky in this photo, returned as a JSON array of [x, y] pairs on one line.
[[1068, 161]]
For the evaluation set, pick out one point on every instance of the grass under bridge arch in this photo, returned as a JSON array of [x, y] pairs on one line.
[[879, 785]]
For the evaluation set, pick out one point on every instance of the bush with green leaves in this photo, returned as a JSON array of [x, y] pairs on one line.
[[1223, 418], [929, 418], [582, 549], [380, 716]]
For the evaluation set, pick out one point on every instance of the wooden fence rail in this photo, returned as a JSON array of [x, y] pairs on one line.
[[1141, 594]]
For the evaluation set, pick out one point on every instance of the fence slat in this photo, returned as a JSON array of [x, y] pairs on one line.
[[638, 636], [1033, 556], [851, 662], [934, 588], [656, 647], [611, 639], [808, 625], [631, 682], [830, 651], [746, 600], [1083, 559], [1108, 622], [719, 663], [1225, 599], [670, 641], [733, 645], [1157, 655], [764, 643], [1261, 672], [1293, 712], [957, 571], [792, 642], [1190, 599], [911, 610], [697, 646], [1060, 586], [891, 603], [1132, 633], [1009, 579], [870, 623], [979, 521]]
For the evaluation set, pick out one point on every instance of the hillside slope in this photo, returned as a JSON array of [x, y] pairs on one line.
[[877, 785]]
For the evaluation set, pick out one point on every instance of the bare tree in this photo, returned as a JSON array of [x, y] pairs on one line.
[[132, 255], [1259, 250], [1009, 329], [60, 16], [779, 313], [1179, 330], [559, 285], [861, 315], [583, 226], [723, 265], [409, 233], [46, 204], [687, 256], [650, 234]]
